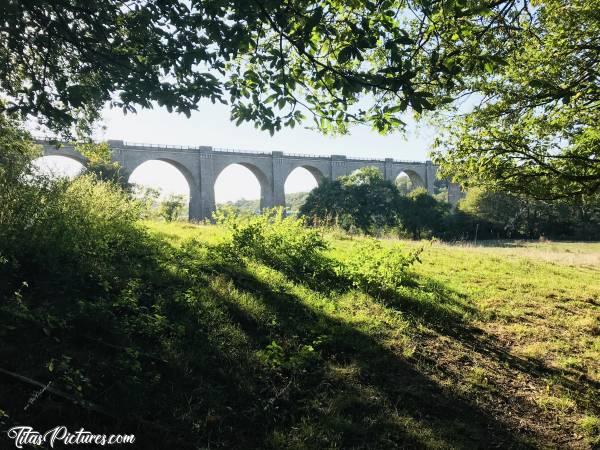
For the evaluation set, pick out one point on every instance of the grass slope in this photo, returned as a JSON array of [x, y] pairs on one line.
[[504, 331], [488, 347]]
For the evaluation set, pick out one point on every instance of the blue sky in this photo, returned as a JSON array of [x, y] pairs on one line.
[[211, 126]]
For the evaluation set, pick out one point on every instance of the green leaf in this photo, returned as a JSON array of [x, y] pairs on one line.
[[345, 54], [270, 98]]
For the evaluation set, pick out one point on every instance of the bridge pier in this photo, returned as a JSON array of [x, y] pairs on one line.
[[278, 180], [455, 194], [430, 173], [338, 167], [267, 194], [206, 192]]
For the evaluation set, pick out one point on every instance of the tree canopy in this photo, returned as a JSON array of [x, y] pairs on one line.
[[530, 70], [362, 200], [534, 127], [271, 60]]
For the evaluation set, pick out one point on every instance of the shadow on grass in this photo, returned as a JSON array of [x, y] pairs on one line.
[[361, 394], [448, 313], [212, 390]]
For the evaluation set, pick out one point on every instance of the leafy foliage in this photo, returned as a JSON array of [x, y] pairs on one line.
[[502, 215], [366, 202], [172, 207], [531, 72], [17, 152], [287, 245], [148, 199], [45, 224], [82, 227], [100, 164], [283, 243], [404, 185], [421, 215], [533, 128], [377, 269], [362, 200], [62, 61]]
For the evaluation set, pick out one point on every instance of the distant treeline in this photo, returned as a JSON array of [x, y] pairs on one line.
[[293, 202], [365, 202]]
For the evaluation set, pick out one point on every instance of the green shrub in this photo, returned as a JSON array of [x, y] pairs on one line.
[[590, 425], [78, 235], [148, 199], [287, 245], [376, 269], [62, 236], [100, 164], [172, 207], [363, 200], [283, 243], [420, 215], [274, 356]]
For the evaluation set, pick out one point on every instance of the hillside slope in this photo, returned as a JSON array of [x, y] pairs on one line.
[[482, 347]]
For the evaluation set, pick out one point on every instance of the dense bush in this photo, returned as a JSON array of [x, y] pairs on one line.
[[503, 215], [362, 200], [172, 207], [287, 245], [283, 243], [66, 238], [76, 235], [421, 216], [365, 201], [376, 269]]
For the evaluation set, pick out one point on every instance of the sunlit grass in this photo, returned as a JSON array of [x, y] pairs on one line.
[[537, 301], [479, 346], [179, 231]]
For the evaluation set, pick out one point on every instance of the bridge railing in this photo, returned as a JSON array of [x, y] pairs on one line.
[[364, 158], [169, 146], [40, 138], [305, 155], [233, 150]]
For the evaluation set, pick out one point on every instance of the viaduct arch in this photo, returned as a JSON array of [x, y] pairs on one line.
[[202, 165]]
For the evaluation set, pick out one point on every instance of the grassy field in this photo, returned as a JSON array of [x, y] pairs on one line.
[[187, 343], [495, 345]]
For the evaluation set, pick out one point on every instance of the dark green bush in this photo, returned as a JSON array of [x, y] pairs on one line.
[[283, 243], [362, 200], [504, 215], [78, 235], [420, 215], [365, 201], [376, 269], [287, 245]]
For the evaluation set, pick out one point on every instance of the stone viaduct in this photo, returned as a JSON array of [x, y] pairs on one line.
[[202, 165]]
